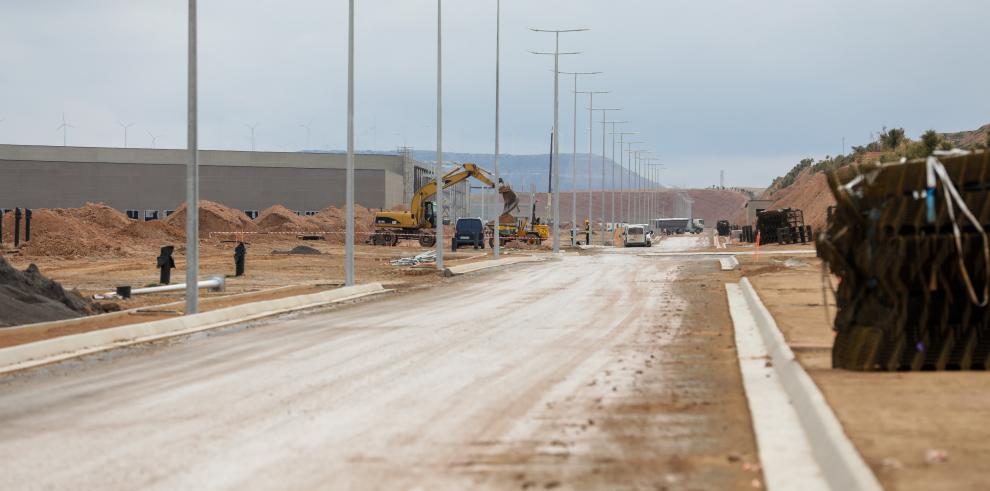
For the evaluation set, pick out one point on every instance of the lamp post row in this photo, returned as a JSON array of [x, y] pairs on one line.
[[192, 143]]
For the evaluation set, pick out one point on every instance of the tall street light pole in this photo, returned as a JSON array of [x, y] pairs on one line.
[[574, 160], [349, 193], [604, 132], [439, 176], [629, 179], [641, 192], [556, 129], [591, 187], [617, 212], [498, 95], [655, 178], [622, 150], [634, 185], [192, 171]]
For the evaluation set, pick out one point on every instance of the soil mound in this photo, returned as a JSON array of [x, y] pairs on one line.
[[153, 230], [97, 214], [281, 219], [62, 233], [214, 217], [28, 297], [333, 220], [301, 251]]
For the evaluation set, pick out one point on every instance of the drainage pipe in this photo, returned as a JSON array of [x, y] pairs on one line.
[[214, 284]]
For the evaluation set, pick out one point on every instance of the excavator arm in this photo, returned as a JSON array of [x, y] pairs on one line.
[[461, 174]]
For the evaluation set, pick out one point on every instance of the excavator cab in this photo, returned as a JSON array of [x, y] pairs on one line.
[[430, 213]]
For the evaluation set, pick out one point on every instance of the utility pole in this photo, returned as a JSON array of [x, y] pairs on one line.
[[349, 173], [439, 176], [556, 128], [591, 187], [498, 95], [616, 213], [574, 161], [629, 181], [604, 132], [192, 171], [622, 150]]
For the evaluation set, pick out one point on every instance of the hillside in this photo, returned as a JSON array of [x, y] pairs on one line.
[[969, 139], [806, 187], [710, 204]]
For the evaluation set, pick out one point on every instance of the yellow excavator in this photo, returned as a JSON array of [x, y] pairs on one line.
[[530, 230], [420, 222]]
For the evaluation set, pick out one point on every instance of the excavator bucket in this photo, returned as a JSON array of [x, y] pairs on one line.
[[510, 203]]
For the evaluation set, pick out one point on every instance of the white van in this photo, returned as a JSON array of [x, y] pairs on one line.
[[635, 235]]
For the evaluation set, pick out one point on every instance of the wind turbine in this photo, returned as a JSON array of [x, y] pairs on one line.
[[125, 127], [154, 139], [252, 128], [309, 129], [64, 128]]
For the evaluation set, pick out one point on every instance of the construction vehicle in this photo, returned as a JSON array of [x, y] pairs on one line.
[[420, 222], [528, 230]]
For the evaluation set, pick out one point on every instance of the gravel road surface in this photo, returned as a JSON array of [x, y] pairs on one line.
[[601, 371]]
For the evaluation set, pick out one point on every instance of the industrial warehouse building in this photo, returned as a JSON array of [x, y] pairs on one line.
[[146, 181]]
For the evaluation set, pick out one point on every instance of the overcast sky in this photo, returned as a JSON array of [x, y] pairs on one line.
[[746, 86]]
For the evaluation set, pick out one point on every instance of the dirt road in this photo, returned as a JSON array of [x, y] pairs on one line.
[[606, 371]]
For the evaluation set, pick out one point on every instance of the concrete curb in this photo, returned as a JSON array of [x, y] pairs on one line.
[[493, 263], [799, 252], [841, 464], [784, 449], [729, 263], [66, 347]]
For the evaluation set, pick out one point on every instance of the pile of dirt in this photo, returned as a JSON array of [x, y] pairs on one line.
[[27, 297], [71, 232], [154, 230], [97, 214], [333, 220], [214, 217], [281, 219]]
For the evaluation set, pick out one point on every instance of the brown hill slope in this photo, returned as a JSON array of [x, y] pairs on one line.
[[710, 204]]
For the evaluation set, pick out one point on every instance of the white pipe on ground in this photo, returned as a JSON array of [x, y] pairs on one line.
[[215, 283]]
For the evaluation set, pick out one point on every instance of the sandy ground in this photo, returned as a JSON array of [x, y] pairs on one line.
[[595, 371], [894, 419], [268, 276]]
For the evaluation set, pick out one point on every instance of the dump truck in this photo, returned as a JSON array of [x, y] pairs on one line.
[[420, 222]]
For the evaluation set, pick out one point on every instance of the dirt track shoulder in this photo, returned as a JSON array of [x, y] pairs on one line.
[[898, 421]]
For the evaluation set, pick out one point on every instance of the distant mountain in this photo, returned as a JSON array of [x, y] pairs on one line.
[[969, 139], [523, 171]]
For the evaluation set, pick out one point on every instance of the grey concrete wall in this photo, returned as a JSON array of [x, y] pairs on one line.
[[162, 187], [150, 179]]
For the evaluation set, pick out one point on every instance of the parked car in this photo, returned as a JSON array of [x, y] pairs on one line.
[[635, 236], [468, 232]]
